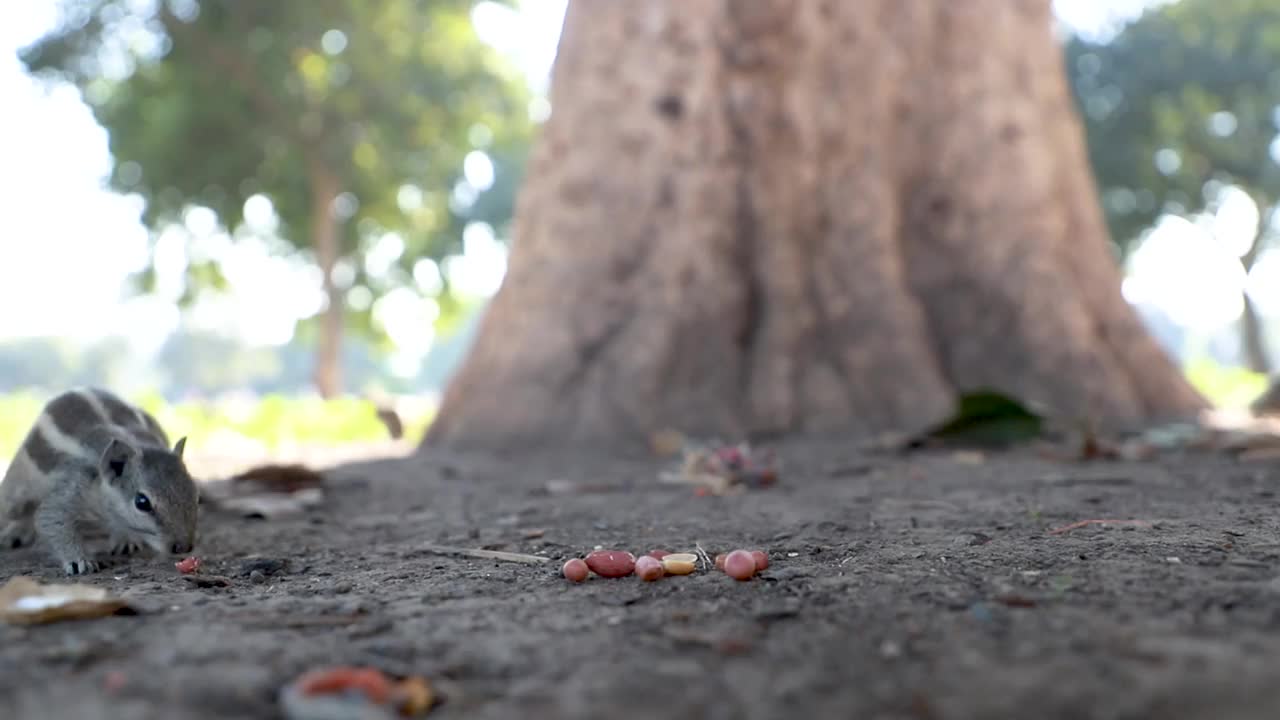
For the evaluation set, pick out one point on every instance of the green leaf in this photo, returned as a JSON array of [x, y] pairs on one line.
[[988, 418]]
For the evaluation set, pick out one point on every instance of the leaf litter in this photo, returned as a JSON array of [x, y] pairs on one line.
[[25, 601]]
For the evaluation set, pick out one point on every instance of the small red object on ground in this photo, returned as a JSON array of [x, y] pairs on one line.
[[611, 563], [188, 565], [575, 569], [375, 685], [648, 568], [762, 560], [114, 681], [739, 565]]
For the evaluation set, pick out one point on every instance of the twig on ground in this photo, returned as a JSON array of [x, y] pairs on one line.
[[1102, 521], [707, 564], [297, 621], [487, 554]]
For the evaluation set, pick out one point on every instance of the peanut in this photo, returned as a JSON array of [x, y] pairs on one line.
[[740, 565], [679, 563], [611, 563], [649, 568], [762, 560], [575, 570]]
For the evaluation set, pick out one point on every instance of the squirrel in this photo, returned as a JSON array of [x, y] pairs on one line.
[[92, 465]]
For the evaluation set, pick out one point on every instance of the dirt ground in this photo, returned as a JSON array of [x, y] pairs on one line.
[[926, 586]]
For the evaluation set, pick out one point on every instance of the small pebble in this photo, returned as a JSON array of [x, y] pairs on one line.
[[343, 588], [269, 566], [257, 577]]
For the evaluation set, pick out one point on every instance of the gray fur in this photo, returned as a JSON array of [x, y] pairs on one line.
[[107, 454]]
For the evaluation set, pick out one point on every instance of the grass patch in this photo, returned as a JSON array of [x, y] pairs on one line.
[[1223, 385], [272, 420]]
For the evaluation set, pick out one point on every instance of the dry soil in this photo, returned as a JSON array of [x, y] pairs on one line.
[[926, 586]]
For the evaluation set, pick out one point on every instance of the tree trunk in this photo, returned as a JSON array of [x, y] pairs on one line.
[[1253, 335], [1255, 345], [324, 240], [749, 218]]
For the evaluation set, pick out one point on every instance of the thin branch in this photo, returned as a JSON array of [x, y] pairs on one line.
[[487, 554]]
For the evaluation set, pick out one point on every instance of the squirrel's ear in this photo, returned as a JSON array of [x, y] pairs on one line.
[[179, 446], [115, 457]]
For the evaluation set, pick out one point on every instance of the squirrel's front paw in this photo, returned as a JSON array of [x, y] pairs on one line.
[[82, 566], [125, 547]]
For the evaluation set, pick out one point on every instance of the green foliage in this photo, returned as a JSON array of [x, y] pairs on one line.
[[17, 412], [1193, 83], [209, 102], [273, 420], [988, 418], [1225, 386]]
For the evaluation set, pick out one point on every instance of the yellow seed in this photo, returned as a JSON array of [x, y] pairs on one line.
[[413, 696], [679, 563]]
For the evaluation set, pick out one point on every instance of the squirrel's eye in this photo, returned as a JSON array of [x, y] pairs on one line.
[[142, 502]]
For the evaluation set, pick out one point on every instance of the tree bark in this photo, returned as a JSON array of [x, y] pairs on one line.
[[1255, 346], [1253, 335], [755, 217], [324, 240]]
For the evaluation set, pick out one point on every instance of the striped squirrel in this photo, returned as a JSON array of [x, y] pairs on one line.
[[94, 465]]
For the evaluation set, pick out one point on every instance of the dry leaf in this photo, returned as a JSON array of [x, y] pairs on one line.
[[267, 491], [1260, 454], [258, 501], [24, 601], [723, 469], [666, 443], [271, 505]]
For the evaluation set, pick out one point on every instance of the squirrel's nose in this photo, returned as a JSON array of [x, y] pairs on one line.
[[181, 547]]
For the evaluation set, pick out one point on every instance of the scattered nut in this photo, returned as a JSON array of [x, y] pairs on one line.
[[679, 563], [188, 565], [740, 565], [575, 570], [413, 696], [720, 561], [658, 554], [762, 560], [611, 563], [649, 568]]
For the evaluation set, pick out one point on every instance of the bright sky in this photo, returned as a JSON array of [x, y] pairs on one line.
[[66, 244]]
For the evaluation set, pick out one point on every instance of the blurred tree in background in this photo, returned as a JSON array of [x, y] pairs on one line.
[[1181, 105], [355, 119]]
